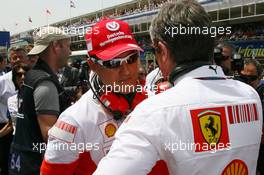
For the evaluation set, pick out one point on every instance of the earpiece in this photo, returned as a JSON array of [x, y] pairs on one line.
[[115, 103], [118, 105]]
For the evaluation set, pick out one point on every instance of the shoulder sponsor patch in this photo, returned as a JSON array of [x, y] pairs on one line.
[[108, 130], [63, 131], [242, 113], [236, 167], [210, 129]]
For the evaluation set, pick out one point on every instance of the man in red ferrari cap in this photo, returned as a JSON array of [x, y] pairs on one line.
[[84, 133]]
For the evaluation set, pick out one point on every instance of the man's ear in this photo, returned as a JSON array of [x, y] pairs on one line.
[[163, 51], [163, 55], [55, 45]]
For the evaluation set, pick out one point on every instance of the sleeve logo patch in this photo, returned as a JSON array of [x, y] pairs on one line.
[[63, 131], [108, 130], [209, 128]]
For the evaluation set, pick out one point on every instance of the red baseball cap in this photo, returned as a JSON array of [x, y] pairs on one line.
[[110, 38]]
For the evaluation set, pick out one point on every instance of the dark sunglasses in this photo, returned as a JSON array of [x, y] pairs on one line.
[[250, 78], [116, 62], [20, 74]]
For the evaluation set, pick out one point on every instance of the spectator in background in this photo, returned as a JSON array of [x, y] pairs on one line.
[[82, 85], [15, 101], [22, 56], [12, 56], [2, 65], [225, 59], [77, 63], [43, 101], [227, 63], [84, 71], [7, 89], [82, 88], [68, 78], [252, 75]]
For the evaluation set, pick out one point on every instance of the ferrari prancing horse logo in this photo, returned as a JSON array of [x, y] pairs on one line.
[[209, 128], [210, 124]]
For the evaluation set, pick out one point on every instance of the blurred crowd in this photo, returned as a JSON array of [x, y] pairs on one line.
[[119, 13], [72, 77], [245, 32]]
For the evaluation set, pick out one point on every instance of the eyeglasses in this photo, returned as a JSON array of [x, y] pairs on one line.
[[116, 62]]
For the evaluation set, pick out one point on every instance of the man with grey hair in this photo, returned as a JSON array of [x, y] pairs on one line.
[[7, 89], [12, 56], [194, 125], [252, 74], [43, 101]]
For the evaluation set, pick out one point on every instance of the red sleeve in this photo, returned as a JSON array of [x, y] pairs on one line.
[[86, 165], [82, 166], [159, 168]]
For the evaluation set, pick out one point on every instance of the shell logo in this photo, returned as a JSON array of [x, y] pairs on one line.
[[236, 167], [110, 130]]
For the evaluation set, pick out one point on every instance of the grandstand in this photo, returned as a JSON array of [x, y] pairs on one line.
[[244, 16]]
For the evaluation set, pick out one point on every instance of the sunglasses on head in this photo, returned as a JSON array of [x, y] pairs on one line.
[[116, 62]]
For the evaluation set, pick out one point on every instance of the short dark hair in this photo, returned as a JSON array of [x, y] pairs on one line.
[[189, 47], [256, 64]]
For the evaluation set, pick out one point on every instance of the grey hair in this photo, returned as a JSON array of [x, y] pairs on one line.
[[188, 47], [256, 64]]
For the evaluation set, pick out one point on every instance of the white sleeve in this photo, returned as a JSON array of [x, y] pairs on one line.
[[64, 138], [133, 151], [13, 106]]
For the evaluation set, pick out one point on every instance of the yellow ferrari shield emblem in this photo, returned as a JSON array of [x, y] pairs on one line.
[[210, 125]]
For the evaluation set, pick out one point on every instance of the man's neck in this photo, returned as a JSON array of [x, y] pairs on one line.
[[53, 66]]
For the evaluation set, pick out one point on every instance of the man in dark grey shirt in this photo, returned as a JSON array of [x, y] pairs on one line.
[[42, 101], [44, 98]]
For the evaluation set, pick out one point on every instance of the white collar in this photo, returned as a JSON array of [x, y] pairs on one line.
[[203, 72]]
